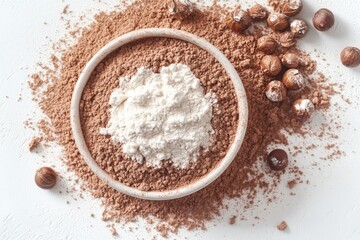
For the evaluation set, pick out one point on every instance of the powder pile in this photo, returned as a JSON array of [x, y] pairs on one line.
[[160, 116], [244, 178]]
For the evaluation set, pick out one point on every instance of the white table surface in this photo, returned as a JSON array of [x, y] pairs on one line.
[[327, 208]]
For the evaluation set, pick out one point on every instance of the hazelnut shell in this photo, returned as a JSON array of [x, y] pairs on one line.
[[287, 40], [45, 178], [278, 21], [323, 19], [258, 12], [293, 79], [267, 44], [271, 65], [298, 28], [292, 7], [303, 108], [240, 21], [278, 160], [350, 57], [275, 91], [290, 60]]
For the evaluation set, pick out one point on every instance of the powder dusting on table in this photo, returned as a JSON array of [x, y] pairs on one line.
[[245, 178]]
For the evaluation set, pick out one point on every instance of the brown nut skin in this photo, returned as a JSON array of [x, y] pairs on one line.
[[290, 60], [239, 21], [45, 178], [275, 91], [291, 7], [271, 65], [278, 21], [350, 57], [267, 44], [278, 160], [258, 12], [287, 40], [298, 28], [303, 108], [323, 19], [293, 79]]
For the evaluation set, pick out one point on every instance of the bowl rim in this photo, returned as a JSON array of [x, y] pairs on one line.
[[162, 33]]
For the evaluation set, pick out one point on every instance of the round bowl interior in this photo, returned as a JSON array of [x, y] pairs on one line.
[[166, 33]]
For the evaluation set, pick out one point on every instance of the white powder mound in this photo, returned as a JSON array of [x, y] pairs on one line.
[[159, 116]]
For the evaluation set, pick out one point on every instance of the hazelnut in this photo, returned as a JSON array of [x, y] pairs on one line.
[[298, 28], [303, 108], [45, 178], [278, 160], [275, 91], [271, 65], [278, 21], [291, 7], [290, 60], [323, 19], [240, 21], [293, 79], [350, 57], [287, 40], [267, 44], [181, 9], [258, 12]]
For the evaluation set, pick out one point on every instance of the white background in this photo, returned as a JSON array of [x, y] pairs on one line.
[[327, 208]]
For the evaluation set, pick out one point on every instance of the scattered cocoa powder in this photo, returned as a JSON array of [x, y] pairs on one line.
[[35, 82], [34, 143], [232, 220], [292, 183], [65, 9], [244, 178], [163, 230], [282, 226], [47, 130], [112, 229]]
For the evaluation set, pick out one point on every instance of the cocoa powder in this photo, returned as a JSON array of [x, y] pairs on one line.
[[34, 143], [244, 178]]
